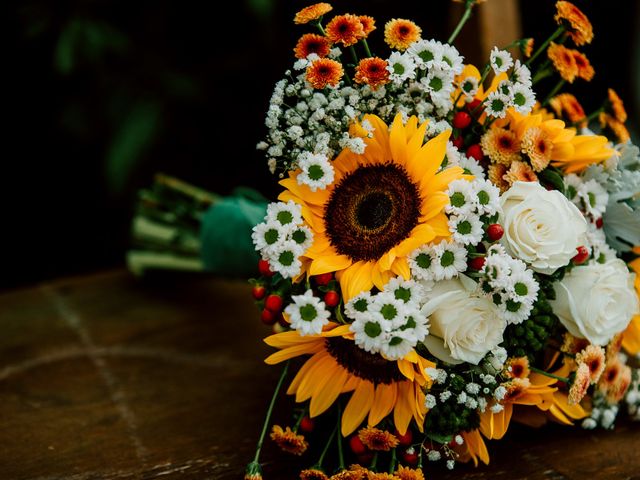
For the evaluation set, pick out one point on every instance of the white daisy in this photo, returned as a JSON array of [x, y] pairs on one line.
[[452, 57], [409, 291], [317, 171], [523, 98], [514, 312], [594, 198], [303, 236], [284, 259], [307, 314], [369, 334], [438, 80], [469, 87], [506, 88], [452, 156], [523, 286], [267, 236], [572, 184], [501, 60], [286, 214], [450, 260], [401, 67], [461, 197], [397, 347], [421, 263], [388, 310], [359, 305], [521, 74], [415, 328], [472, 166], [466, 229], [487, 197], [425, 52], [496, 104]]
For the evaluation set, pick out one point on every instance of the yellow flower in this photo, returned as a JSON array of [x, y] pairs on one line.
[[376, 439], [538, 147], [578, 25], [382, 205], [568, 106], [288, 440], [501, 145], [496, 173], [400, 33], [563, 61], [337, 365], [631, 337], [593, 357], [473, 448], [520, 172], [616, 127], [406, 473], [312, 12], [617, 106], [313, 474]]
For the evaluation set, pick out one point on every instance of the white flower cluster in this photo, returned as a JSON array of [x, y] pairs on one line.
[[469, 204], [307, 314], [516, 91], [282, 238], [470, 165], [510, 284], [588, 195], [439, 261], [632, 398], [389, 322], [603, 414]]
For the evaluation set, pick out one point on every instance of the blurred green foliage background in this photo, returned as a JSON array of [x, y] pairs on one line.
[[103, 94]]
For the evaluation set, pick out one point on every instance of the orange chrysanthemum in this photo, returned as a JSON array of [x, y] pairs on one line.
[[382, 476], [312, 12], [585, 69], [527, 47], [313, 474], [406, 473], [593, 357], [312, 43], [520, 172], [400, 33], [568, 106], [496, 173], [572, 345], [501, 145], [580, 384], [563, 61], [515, 389], [378, 440], [372, 71], [617, 106], [613, 347], [616, 127], [538, 146], [368, 24], [345, 29], [324, 72], [615, 380], [577, 24], [288, 440], [518, 367], [355, 472]]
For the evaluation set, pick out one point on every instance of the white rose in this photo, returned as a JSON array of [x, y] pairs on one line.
[[464, 327], [596, 301], [541, 227]]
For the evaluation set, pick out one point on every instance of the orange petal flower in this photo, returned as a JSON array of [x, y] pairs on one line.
[[578, 25], [527, 47], [563, 61], [288, 440], [313, 474], [501, 145], [368, 24], [520, 172], [312, 43], [615, 380], [372, 71], [616, 127], [399, 33], [568, 106], [496, 174], [538, 146], [580, 384], [518, 367], [312, 12], [378, 440], [593, 357], [585, 69], [345, 29], [406, 473], [324, 72], [617, 106]]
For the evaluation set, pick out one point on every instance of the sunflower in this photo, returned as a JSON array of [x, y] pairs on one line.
[[400, 33], [372, 71], [563, 61], [568, 106], [382, 205], [585, 69], [346, 29], [324, 72], [312, 43], [577, 24], [617, 106], [337, 365], [312, 12]]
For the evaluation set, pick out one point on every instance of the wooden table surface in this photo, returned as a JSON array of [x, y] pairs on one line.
[[108, 377]]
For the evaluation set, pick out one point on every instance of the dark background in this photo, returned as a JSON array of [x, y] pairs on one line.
[[103, 94]]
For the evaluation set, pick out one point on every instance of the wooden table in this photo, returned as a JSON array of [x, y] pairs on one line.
[[107, 377]]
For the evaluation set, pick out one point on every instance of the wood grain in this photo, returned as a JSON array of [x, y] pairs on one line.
[[106, 377]]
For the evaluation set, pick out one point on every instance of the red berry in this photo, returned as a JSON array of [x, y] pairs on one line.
[[331, 298], [581, 256], [307, 424], [461, 120], [356, 445], [405, 439], [477, 263], [599, 222], [268, 317], [495, 232], [324, 278], [475, 151], [410, 456], [458, 142], [473, 105], [263, 267], [258, 292], [273, 303]]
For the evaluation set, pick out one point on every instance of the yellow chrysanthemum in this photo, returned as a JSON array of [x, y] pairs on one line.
[[382, 205], [406, 473], [563, 61], [400, 33], [337, 365], [288, 440], [311, 13], [567, 105]]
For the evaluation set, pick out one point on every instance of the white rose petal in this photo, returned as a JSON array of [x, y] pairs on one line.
[[596, 301], [541, 227]]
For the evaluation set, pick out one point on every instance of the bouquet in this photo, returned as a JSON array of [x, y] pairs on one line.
[[449, 253]]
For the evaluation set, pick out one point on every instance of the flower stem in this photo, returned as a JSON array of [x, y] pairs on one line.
[[339, 439], [392, 464], [374, 462], [550, 375], [553, 92], [465, 17], [594, 115], [354, 55], [546, 43], [299, 420], [366, 47], [319, 25], [270, 411], [326, 447]]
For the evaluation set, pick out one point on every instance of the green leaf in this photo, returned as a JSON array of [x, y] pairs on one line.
[[552, 178], [439, 438]]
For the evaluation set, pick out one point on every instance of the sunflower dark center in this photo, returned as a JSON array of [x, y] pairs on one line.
[[371, 210], [365, 365]]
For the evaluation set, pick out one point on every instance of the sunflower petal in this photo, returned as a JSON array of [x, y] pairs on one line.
[[356, 279], [288, 339], [325, 367], [358, 407], [398, 141], [403, 413], [291, 352], [326, 392], [295, 383], [329, 263], [383, 402]]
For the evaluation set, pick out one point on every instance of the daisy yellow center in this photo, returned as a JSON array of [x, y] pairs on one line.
[[371, 210]]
